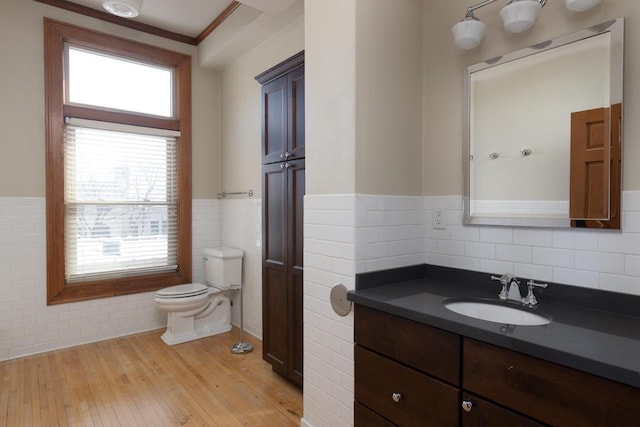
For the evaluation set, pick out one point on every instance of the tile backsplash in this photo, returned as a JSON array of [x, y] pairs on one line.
[[603, 259]]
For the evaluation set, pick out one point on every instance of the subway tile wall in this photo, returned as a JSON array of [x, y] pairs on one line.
[[602, 259], [345, 235], [390, 231], [29, 326], [329, 258], [241, 228]]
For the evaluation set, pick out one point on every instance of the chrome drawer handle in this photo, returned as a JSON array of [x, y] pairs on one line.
[[467, 405], [396, 397]]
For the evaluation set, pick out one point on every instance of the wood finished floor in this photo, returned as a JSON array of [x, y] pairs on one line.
[[137, 380]]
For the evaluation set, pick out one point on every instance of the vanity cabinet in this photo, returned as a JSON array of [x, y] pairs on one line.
[[411, 374]]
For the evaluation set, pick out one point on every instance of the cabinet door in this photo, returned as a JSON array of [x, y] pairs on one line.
[[548, 392], [275, 293], [282, 271], [275, 121], [295, 143], [365, 417], [295, 223], [402, 395]]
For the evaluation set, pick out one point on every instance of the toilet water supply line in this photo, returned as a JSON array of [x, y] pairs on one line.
[[241, 347]]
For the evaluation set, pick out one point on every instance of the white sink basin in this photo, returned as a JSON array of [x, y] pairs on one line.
[[496, 312]]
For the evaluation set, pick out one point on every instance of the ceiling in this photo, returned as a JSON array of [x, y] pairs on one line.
[[190, 17], [250, 23]]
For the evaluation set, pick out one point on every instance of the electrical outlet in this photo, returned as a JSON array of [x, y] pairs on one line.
[[438, 219]]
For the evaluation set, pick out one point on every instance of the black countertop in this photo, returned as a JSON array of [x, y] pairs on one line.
[[593, 331]]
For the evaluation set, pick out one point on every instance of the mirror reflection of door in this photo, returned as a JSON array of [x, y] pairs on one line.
[[595, 173]]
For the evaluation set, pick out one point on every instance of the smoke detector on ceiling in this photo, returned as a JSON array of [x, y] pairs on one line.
[[123, 8]]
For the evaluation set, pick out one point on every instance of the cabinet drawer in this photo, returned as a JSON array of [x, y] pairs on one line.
[[551, 393], [424, 401], [365, 417], [486, 414], [423, 347]]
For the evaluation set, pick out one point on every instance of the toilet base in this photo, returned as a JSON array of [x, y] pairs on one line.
[[213, 318], [172, 339]]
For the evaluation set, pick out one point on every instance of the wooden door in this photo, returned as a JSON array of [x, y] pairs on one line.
[[275, 293], [595, 172], [282, 271], [296, 131], [295, 212], [275, 121]]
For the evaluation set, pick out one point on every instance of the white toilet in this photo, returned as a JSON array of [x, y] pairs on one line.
[[196, 310]]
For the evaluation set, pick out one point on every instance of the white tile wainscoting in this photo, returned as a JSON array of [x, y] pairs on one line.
[[345, 234], [329, 258], [241, 227], [603, 259], [29, 326]]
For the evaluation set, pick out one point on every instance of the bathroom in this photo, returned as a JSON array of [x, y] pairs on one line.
[[388, 79]]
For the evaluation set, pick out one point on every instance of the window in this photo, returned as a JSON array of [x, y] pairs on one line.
[[118, 165]]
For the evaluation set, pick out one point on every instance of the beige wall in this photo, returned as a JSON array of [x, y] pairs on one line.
[[240, 99], [389, 97], [444, 65], [330, 109], [364, 106], [509, 104], [22, 99]]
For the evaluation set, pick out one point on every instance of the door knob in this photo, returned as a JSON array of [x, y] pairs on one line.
[[396, 397], [467, 405]]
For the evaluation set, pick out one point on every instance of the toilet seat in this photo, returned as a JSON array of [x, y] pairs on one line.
[[182, 291]]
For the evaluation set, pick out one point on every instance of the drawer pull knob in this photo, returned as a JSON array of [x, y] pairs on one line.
[[467, 405], [396, 397]]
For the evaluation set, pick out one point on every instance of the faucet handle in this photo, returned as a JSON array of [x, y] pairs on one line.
[[531, 299], [533, 284], [505, 279]]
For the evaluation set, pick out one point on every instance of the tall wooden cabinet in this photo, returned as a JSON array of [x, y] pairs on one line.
[[283, 186]]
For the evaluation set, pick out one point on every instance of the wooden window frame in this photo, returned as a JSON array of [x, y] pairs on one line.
[[56, 34]]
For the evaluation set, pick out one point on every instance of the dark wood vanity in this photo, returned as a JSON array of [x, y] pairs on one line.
[[410, 374]]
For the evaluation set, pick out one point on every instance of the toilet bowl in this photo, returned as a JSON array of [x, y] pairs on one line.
[[196, 310]]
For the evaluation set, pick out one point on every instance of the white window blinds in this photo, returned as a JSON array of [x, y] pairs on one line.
[[120, 201]]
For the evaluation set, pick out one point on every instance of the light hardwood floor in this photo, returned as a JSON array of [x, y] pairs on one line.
[[137, 380]]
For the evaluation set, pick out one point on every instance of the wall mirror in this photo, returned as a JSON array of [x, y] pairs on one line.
[[543, 133]]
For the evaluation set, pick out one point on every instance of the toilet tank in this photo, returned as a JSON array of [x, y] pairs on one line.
[[223, 267]]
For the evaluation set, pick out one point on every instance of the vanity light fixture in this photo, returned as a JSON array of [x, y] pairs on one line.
[[517, 16], [123, 8]]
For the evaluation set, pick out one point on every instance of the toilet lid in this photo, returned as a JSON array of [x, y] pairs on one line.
[[183, 291]]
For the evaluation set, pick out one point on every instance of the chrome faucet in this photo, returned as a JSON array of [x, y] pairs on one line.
[[511, 289]]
